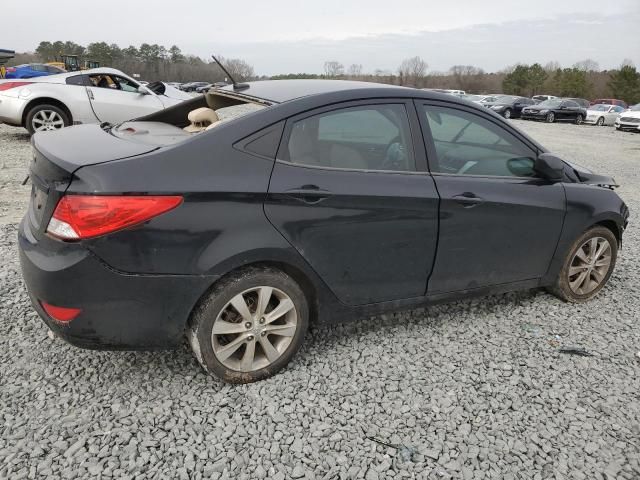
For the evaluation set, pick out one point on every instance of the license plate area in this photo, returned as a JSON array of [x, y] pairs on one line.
[[38, 203]]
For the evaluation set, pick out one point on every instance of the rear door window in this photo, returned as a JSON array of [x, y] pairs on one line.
[[368, 137]]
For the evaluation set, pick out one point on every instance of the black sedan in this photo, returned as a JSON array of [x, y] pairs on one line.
[[509, 106], [316, 200], [556, 110]]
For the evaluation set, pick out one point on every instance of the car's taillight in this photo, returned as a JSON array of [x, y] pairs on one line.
[[10, 85], [60, 314], [77, 217], [11, 69]]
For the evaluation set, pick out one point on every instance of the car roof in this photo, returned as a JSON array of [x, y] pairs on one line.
[[279, 91], [61, 77]]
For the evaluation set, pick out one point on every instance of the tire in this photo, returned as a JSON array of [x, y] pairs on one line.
[[45, 117], [507, 113], [248, 343], [600, 122], [579, 119], [550, 118], [574, 267]]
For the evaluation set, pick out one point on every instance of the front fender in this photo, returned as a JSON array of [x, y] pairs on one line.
[[587, 205]]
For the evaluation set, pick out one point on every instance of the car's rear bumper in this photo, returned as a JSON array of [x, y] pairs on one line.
[[118, 310]]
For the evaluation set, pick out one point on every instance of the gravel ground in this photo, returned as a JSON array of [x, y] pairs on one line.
[[470, 390]]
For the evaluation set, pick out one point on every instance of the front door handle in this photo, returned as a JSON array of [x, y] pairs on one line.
[[308, 193], [468, 199]]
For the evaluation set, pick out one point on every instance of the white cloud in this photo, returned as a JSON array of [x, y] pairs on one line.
[[292, 35]]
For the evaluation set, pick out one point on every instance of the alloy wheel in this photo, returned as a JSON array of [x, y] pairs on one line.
[[579, 120], [550, 117], [589, 266], [507, 113], [47, 120], [600, 121], [254, 329]]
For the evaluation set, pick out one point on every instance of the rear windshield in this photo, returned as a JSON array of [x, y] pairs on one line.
[[158, 133]]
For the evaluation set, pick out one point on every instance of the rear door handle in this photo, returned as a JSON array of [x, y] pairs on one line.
[[308, 193], [468, 199]]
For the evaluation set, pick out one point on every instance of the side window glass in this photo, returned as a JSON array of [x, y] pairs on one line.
[[103, 81], [372, 137], [467, 144], [76, 80]]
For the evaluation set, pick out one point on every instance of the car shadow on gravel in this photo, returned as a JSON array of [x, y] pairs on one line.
[[132, 370], [17, 135]]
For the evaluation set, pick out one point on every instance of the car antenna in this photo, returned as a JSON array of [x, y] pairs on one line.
[[236, 85]]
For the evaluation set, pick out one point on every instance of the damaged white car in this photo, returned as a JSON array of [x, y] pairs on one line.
[[89, 96]]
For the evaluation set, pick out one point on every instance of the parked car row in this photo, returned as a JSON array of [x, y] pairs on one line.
[[199, 87], [551, 109]]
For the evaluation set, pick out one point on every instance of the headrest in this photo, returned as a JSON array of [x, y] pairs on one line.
[[200, 119]]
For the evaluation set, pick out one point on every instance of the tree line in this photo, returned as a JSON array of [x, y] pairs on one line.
[[149, 61], [153, 62], [582, 80]]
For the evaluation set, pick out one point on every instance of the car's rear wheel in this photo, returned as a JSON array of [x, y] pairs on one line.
[[588, 266], [250, 325], [46, 117], [579, 119], [600, 122], [507, 113], [550, 118]]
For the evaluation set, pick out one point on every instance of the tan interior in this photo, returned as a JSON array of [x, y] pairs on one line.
[[202, 119]]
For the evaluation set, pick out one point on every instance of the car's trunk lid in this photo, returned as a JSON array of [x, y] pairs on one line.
[[57, 155], [82, 145]]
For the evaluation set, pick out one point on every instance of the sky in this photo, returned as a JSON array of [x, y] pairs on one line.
[[287, 36]]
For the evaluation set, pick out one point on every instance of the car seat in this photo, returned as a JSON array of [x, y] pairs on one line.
[[202, 119]]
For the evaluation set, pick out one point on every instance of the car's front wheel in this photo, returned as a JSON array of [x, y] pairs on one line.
[[600, 122], [46, 117], [579, 119], [507, 113], [550, 118], [588, 266], [250, 325]]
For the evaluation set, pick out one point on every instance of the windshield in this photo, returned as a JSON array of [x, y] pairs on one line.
[[506, 99], [550, 103], [600, 108], [635, 108]]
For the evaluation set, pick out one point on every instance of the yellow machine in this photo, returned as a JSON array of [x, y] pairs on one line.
[[5, 56], [71, 63]]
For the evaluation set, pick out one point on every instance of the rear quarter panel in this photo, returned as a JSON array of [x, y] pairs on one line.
[[74, 97]]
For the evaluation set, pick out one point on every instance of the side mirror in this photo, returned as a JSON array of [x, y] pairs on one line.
[[142, 90], [549, 166]]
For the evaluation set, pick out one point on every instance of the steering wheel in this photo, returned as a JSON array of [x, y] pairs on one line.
[[395, 156]]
